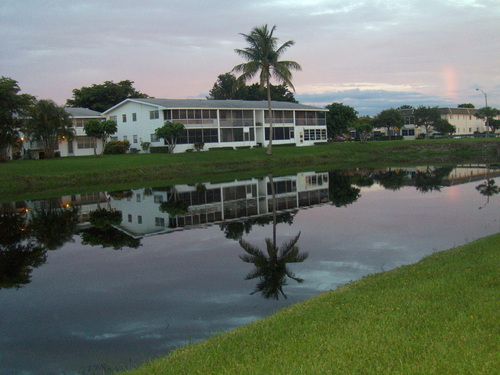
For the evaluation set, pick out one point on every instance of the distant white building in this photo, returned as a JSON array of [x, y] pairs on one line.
[[463, 119], [217, 123]]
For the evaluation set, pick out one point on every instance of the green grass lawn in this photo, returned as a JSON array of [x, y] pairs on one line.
[[44, 178], [438, 316]]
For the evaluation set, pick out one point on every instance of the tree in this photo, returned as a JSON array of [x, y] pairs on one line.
[[389, 118], [466, 105], [49, 123], [99, 130], [13, 108], [263, 55], [363, 126], [225, 88], [100, 97], [443, 126], [488, 114], [426, 117], [339, 118], [170, 131], [340, 190]]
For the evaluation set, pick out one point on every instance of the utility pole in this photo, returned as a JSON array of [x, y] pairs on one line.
[[486, 104]]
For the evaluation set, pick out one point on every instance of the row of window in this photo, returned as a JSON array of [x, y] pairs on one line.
[[314, 134]]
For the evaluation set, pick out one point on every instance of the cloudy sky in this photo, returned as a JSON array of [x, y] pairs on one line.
[[369, 54]]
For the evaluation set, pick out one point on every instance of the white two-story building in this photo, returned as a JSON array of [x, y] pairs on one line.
[[217, 123]]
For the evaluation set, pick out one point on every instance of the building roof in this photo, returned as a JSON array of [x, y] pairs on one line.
[[217, 104], [444, 111], [82, 112]]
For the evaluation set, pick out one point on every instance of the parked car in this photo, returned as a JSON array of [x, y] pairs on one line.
[[339, 139]]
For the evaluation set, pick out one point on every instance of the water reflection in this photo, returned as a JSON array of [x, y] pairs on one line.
[[180, 275]]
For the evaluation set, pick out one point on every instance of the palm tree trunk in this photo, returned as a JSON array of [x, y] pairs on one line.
[[270, 144]]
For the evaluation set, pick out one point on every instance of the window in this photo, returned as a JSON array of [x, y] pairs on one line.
[[154, 138], [139, 219], [158, 198], [125, 138], [135, 138], [124, 118], [138, 197], [84, 142], [154, 115], [113, 118], [159, 221], [129, 218], [113, 138], [314, 134], [134, 116]]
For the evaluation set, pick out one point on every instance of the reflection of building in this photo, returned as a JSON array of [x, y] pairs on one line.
[[81, 144], [216, 203], [218, 123]]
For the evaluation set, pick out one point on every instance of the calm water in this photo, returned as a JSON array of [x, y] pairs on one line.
[[168, 269]]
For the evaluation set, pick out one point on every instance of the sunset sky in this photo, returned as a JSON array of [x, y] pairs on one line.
[[371, 55]]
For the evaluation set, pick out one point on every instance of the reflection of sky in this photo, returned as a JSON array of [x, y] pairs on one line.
[[92, 306]]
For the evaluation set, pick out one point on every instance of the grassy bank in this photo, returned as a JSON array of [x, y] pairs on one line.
[[439, 316], [44, 178]]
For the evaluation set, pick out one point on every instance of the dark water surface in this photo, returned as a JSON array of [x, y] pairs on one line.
[[84, 297]]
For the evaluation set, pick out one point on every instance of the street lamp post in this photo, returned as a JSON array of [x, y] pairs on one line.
[[486, 105]]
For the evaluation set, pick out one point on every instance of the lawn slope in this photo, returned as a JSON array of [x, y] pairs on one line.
[[438, 316]]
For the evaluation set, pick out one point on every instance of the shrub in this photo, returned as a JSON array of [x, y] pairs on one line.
[[159, 150], [117, 147], [145, 145], [221, 148], [198, 146], [242, 147]]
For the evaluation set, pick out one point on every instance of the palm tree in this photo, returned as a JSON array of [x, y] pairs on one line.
[[263, 55]]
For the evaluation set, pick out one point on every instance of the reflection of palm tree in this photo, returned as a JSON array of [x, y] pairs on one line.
[[174, 206], [488, 187], [272, 268]]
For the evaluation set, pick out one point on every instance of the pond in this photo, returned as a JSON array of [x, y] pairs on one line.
[[103, 281]]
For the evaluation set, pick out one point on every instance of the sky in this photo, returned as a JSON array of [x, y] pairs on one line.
[[370, 55]]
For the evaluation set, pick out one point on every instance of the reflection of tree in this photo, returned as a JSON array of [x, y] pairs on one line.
[[18, 255], [391, 179], [174, 206], [271, 269], [488, 188], [108, 237], [340, 190], [121, 194], [431, 179], [236, 229], [17, 262], [103, 217], [54, 226]]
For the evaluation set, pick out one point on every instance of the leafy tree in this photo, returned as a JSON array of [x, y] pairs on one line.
[[389, 118], [488, 114], [466, 105], [17, 261], [170, 131], [339, 118], [431, 179], [426, 117], [443, 126], [13, 107], [494, 124], [49, 123], [227, 88], [363, 126], [100, 97], [405, 106], [263, 55], [99, 130]]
